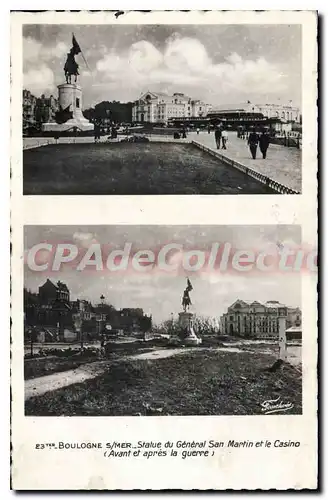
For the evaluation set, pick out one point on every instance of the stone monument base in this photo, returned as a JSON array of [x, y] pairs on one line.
[[70, 101], [187, 330], [70, 125]]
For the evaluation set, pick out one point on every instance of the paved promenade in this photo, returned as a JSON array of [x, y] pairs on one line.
[[282, 164]]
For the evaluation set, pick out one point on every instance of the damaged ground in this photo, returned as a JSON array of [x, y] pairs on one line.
[[199, 381]]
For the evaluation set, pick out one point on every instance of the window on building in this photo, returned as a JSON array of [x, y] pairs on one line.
[[77, 102], [231, 318]]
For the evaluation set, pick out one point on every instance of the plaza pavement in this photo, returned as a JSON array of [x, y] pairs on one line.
[[282, 164]]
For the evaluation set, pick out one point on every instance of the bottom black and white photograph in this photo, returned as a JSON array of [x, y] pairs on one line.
[[157, 320]]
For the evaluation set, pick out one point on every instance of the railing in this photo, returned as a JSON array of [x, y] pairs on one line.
[[274, 185]]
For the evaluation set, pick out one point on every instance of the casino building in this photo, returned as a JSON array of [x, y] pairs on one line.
[[250, 318], [158, 107]]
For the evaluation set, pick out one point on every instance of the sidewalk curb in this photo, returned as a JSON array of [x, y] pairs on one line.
[[275, 185]]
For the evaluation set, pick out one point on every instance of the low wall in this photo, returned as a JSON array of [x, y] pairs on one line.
[[276, 186], [34, 142], [30, 143]]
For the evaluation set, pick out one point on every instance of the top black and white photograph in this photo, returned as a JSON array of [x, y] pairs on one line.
[[162, 109]]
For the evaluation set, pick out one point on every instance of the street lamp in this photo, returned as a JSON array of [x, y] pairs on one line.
[[107, 118], [78, 327], [282, 315]]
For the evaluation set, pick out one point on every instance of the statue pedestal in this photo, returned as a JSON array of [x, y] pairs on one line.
[[187, 329], [70, 99]]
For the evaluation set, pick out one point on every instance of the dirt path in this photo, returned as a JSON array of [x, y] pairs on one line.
[[163, 353], [41, 385]]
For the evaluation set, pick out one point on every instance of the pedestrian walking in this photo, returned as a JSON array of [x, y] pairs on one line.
[[184, 135], [97, 132], [253, 140], [217, 135], [224, 138], [197, 130], [264, 141]]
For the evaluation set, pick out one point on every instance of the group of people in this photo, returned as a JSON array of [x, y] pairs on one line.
[[221, 137], [254, 140], [262, 140], [180, 134], [98, 132]]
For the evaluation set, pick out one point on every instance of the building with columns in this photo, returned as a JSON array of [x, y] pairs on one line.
[[246, 318], [286, 113], [158, 107]]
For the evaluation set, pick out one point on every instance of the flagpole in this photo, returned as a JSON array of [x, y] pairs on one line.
[[85, 61], [82, 54]]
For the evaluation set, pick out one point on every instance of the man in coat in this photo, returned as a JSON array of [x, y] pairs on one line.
[[218, 134], [264, 142], [253, 140]]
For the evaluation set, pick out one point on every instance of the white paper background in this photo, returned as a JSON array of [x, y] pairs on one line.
[[237, 469]]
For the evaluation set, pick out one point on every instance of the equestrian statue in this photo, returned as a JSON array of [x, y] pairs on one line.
[[71, 67]]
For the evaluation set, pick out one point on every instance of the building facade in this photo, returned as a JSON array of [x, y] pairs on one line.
[[52, 312], [50, 292], [38, 110], [158, 107], [285, 113], [255, 319], [46, 109], [29, 105]]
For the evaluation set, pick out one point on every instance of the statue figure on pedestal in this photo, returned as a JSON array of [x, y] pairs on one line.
[[71, 67], [69, 116], [186, 301]]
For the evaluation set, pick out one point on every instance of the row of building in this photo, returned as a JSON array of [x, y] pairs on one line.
[[55, 317], [161, 108], [256, 319], [165, 109]]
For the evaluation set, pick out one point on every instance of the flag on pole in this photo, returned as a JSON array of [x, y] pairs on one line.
[[189, 285], [76, 47]]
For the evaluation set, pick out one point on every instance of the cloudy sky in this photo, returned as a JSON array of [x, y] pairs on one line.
[[160, 293], [219, 64]]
